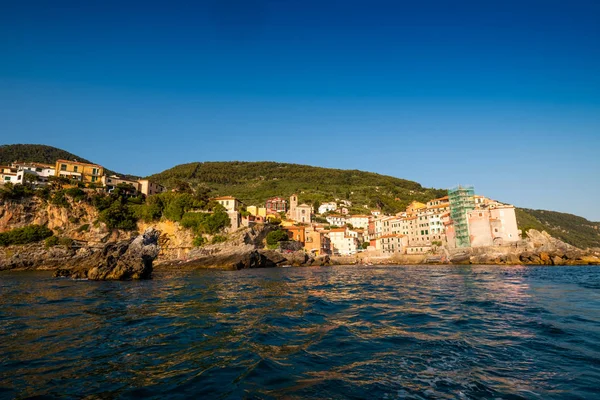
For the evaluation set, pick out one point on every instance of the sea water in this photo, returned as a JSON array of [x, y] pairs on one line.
[[364, 332]]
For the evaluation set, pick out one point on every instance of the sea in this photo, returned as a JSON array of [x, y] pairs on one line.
[[342, 332]]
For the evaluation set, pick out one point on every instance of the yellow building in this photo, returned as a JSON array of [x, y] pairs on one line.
[[262, 212], [253, 210], [79, 171]]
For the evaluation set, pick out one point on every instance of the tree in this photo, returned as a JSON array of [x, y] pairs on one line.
[[277, 236]]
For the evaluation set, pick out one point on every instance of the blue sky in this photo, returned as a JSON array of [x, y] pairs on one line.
[[504, 95]]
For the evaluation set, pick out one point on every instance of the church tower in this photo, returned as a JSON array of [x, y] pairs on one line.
[[293, 205]]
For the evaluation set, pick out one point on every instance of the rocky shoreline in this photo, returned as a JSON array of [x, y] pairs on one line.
[[135, 258]]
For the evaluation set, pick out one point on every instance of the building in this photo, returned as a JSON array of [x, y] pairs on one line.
[[461, 200], [301, 213], [10, 174], [358, 221], [110, 183], [275, 205], [317, 242], [149, 188], [297, 233], [79, 171], [493, 226], [230, 203], [327, 207], [252, 210], [41, 171], [336, 220], [342, 243], [392, 244]]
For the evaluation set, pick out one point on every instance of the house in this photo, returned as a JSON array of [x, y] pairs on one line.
[[79, 171], [110, 183], [358, 221], [336, 220], [230, 203], [317, 242], [342, 243], [296, 233], [253, 210], [327, 207], [149, 188], [10, 174], [275, 205], [393, 244], [41, 171]]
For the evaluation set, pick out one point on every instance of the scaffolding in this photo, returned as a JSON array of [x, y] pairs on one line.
[[462, 200]]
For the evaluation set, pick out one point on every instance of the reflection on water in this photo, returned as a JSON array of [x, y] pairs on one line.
[[361, 332]]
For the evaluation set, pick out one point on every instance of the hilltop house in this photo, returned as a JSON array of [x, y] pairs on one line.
[[79, 171]]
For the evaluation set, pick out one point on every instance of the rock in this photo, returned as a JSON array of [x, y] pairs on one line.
[[124, 260], [460, 258], [545, 258], [322, 261]]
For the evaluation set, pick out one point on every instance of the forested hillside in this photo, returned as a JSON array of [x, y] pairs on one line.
[[39, 153], [35, 153], [254, 182], [569, 228]]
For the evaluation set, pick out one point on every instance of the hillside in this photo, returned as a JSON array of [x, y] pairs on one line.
[[254, 182], [569, 228], [38, 153], [35, 153]]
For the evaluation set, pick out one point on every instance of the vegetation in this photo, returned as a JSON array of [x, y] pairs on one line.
[[38, 153], [51, 241], [28, 234], [274, 237], [569, 228], [254, 182]]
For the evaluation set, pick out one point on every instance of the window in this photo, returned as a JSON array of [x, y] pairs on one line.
[[75, 168], [63, 167], [94, 178]]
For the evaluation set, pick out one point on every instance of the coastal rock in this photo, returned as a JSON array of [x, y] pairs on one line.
[[123, 260]]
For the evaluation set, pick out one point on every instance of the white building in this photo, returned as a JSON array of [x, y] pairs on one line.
[[327, 207], [336, 220], [358, 221]]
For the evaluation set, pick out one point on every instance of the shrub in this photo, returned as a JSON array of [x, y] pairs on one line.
[[28, 234], [218, 239], [199, 241], [43, 193], [59, 199], [84, 228], [117, 216], [216, 222], [276, 236], [51, 241], [64, 241], [76, 193]]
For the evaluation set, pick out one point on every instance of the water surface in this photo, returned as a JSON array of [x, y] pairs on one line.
[[332, 332]]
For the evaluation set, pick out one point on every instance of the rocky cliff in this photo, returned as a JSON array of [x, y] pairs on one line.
[[78, 222]]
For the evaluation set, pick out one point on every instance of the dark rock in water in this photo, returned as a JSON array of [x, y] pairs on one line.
[[130, 259]]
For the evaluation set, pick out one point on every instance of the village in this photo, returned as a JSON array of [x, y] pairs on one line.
[[459, 220]]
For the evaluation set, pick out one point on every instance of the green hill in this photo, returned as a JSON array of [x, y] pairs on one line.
[[254, 182], [35, 153], [38, 153], [569, 228]]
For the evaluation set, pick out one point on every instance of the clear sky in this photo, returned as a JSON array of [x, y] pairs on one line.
[[504, 95]]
